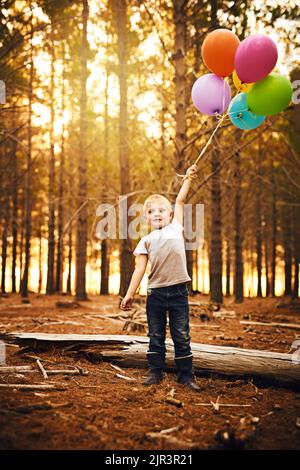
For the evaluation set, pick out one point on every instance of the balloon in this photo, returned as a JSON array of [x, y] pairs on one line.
[[255, 58], [240, 115], [211, 94], [271, 95], [240, 86], [218, 51]]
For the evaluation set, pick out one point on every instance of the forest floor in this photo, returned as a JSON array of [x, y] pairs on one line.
[[102, 410]]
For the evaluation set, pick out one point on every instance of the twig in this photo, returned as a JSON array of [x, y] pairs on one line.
[[174, 401], [33, 387], [295, 326], [42, 369], [5, 369], [125, 377], [174, 429], [117, 368]]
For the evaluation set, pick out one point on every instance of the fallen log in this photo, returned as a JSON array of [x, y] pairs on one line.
[[130, 351]]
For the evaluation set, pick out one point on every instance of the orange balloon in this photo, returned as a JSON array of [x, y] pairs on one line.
[[218, 51]]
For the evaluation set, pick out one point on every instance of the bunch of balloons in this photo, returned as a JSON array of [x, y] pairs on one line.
[[261, 92]]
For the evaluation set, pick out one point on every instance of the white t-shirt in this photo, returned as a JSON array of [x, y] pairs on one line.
[[166, 253]]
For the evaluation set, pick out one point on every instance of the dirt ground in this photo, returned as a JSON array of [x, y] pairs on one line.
[[104, 411]]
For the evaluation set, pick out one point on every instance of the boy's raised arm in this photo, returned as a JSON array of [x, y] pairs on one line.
[[191, 173]]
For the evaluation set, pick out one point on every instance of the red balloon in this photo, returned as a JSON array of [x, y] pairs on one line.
[[218, 51]]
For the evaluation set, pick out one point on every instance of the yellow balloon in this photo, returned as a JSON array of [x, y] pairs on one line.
[[240, 86]]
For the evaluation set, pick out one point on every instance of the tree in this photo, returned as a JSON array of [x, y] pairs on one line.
[[126, 258], [81, 240]]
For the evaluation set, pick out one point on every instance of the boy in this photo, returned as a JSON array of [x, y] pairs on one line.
[[167, 284]]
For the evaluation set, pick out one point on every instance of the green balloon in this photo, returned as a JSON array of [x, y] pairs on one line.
[[270, 95]]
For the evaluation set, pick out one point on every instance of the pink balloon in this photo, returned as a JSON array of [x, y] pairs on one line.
[[211, 94], [255, 58]]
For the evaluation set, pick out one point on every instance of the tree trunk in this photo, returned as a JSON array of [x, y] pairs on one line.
[[4, 240], [69, 279], [163, 154], [60, 245], [213, 14], [104, 283], [287, 245], [215, 256], [81, 240], [267, 274], [179, 19], [238, 242], [15, 186], [126, 258], [227, 268], [196, 261], [51, 191], [130, 351], [40, 262], [22, 237], [104, 287], [25, 278], [258, 228], [296, 249], [274, 231]]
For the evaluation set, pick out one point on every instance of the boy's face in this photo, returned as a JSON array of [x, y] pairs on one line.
[[158, 215]]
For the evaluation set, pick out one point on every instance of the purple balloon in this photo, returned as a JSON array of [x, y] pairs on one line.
[[255, 58], [211, 94]]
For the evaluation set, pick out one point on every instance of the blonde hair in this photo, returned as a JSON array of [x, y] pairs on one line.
[[156, 198]]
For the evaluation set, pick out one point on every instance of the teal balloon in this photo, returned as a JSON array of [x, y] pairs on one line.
[[240, 115], [270, 95]]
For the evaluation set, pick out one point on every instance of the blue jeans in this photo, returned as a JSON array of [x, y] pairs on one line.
[[173, 299]]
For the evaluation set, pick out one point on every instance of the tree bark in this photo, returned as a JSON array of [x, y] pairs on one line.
[[215, 255], [126, 258], [51, 189], [14, 210], [227, 268], [81, 240], [25, 278], [296, 249], [40, 261], [179, 58], [179, 18], [266, 250], [60, 244], [258, 226], [70, 248], [274, 231], [104, 283], [4, 240], [287, 245], [238, 242]]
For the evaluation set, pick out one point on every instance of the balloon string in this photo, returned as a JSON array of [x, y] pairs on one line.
[[223, 105], [210, 139], [206, 145], [244, 122]]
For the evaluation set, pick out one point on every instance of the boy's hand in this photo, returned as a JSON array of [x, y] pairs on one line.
[[126, 303], [191, 172]]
